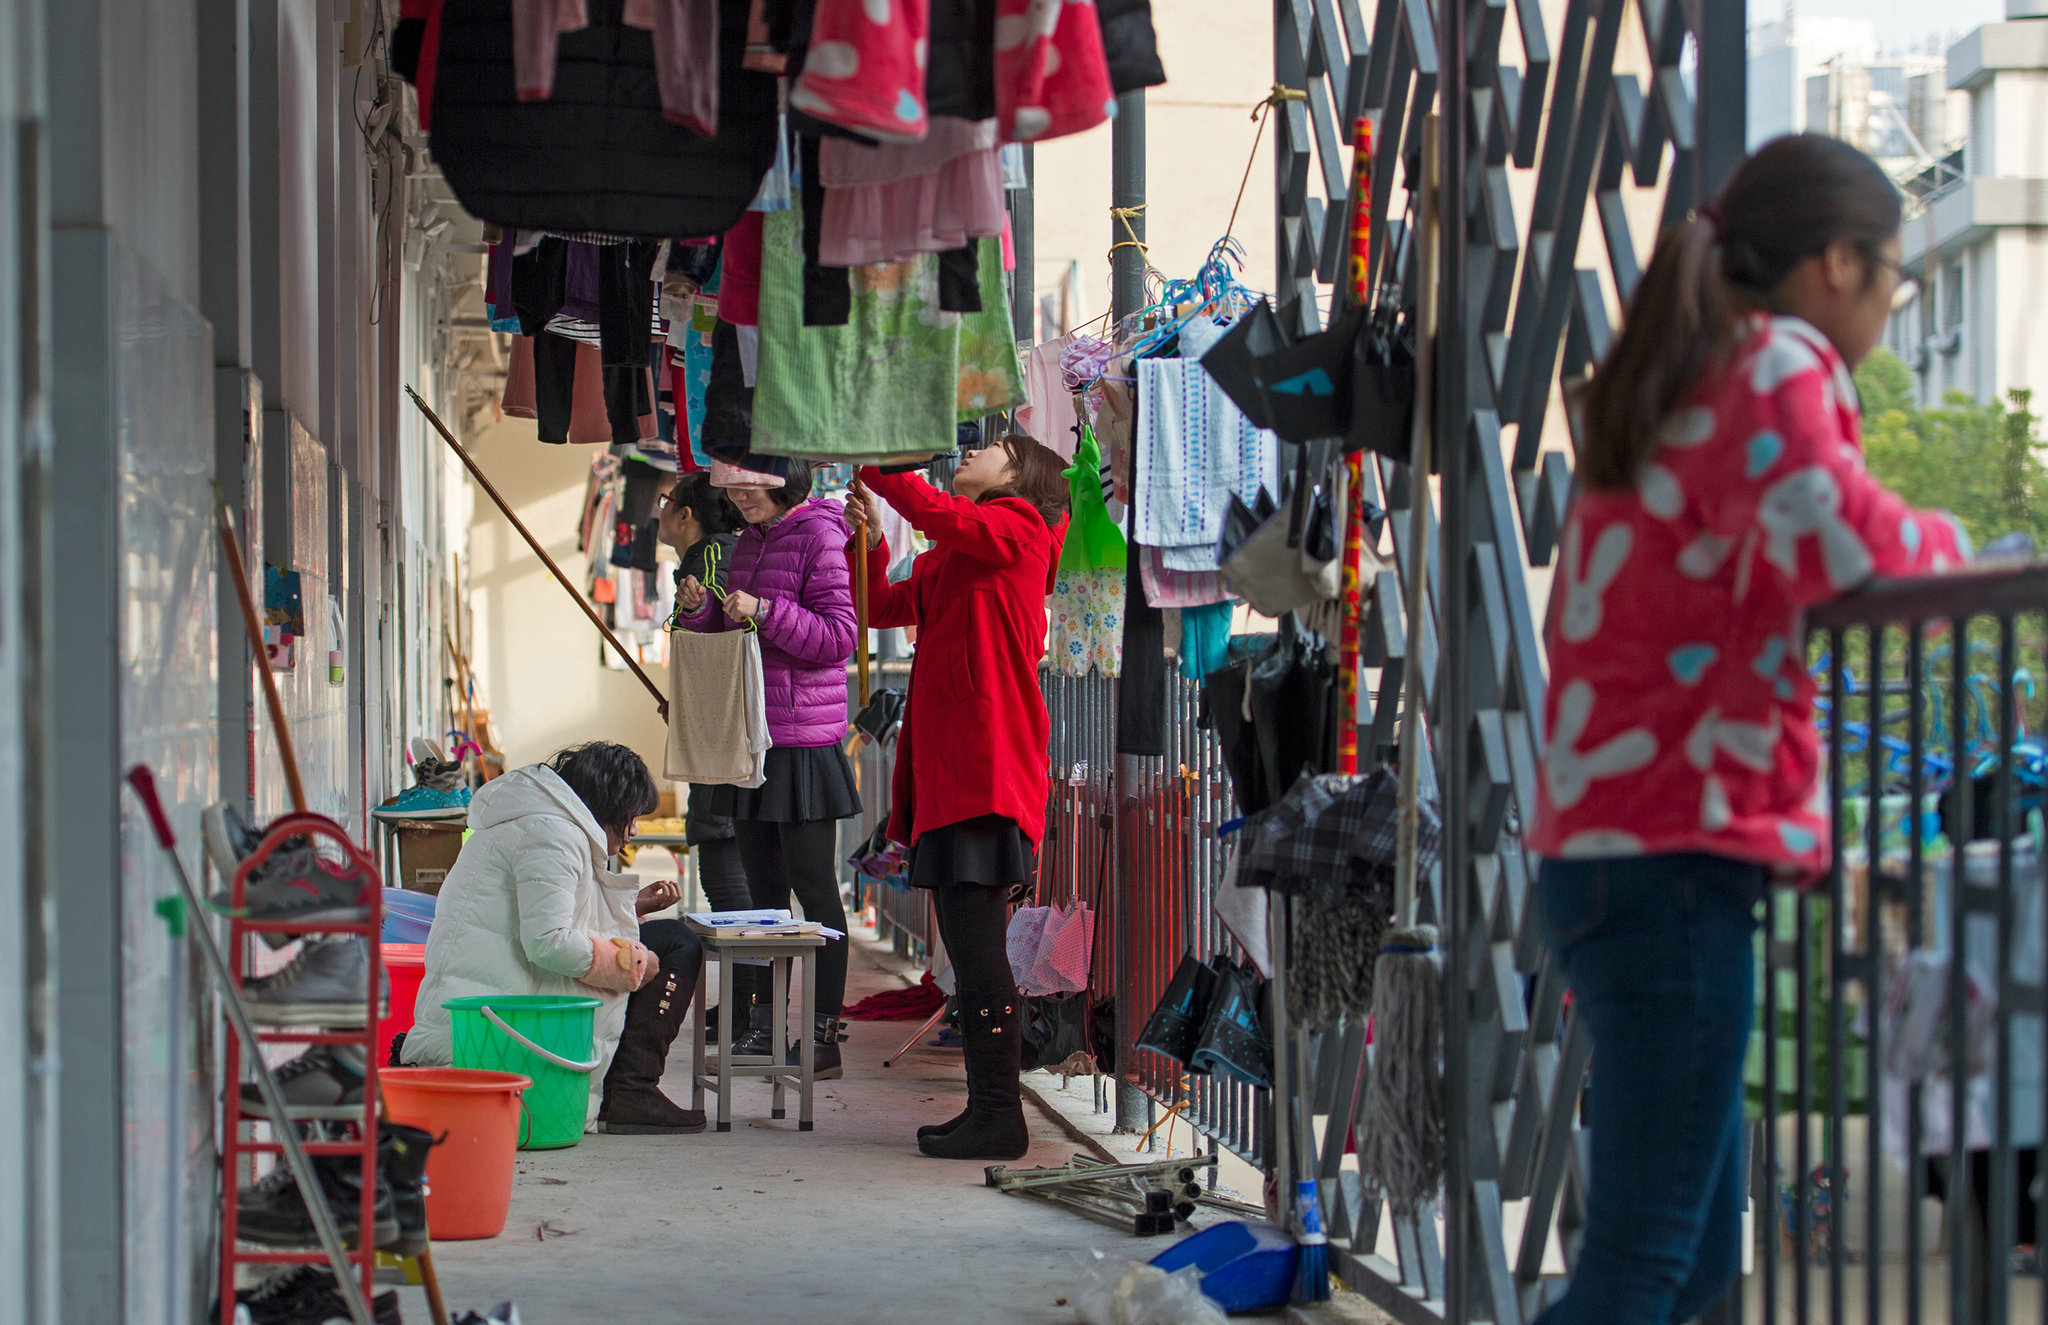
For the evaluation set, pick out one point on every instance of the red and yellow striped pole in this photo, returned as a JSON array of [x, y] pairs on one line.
[[1359, 292]]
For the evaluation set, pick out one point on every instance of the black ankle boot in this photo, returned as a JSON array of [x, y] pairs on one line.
[[756, 1043], [826, 1034], [633, 1102], [994, 1127]]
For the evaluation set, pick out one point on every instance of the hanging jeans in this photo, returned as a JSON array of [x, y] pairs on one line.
[[800, 858], [1657, 953]]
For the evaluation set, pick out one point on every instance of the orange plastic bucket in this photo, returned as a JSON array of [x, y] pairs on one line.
[[469, 1174], [406, 965]]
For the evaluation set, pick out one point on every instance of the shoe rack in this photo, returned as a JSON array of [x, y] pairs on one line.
[[239, 1121]]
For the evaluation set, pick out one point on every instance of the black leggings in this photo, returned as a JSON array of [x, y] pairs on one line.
[[722, 876], [679, 951], [974, 923], [800, 858]]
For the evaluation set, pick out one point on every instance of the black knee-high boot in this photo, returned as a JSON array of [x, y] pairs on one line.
[[994, 1127], [633, 1103]]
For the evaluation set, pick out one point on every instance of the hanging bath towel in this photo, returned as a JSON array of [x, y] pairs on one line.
[[1194, 450]]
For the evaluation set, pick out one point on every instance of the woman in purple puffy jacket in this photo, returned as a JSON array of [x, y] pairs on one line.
[[789, 577]]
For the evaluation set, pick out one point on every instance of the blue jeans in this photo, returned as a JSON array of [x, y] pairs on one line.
[[1657, 952]]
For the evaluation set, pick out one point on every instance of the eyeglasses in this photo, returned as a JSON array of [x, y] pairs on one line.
[[1907, 290]]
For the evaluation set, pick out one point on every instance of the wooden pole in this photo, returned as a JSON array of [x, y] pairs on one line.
[[231, 548], [660, 700]]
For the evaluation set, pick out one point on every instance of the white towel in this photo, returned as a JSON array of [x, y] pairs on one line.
[[717, 709], [1194, 449]]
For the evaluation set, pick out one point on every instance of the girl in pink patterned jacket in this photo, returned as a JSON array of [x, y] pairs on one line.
[[1721, 492]]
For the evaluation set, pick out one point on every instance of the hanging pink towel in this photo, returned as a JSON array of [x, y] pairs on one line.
[[724, 475]]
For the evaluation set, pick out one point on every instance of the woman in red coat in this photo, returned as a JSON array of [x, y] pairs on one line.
[[972, 768]]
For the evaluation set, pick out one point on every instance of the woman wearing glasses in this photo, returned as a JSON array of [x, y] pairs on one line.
[[788, 579]]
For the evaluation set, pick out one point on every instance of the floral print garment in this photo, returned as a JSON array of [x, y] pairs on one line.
[[1680, 709], [1087, 609]]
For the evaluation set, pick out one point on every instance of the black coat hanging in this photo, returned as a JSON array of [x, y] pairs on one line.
[[597, 156]]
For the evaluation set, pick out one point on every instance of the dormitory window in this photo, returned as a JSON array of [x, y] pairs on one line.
[[1951, 295]]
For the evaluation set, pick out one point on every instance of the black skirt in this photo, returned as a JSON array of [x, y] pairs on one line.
[[989, 850], [804, 783]]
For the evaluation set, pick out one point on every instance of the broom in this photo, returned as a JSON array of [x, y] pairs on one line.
[[1400, 1135]]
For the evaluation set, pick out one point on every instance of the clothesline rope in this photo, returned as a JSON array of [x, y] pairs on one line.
[[1261, 112]]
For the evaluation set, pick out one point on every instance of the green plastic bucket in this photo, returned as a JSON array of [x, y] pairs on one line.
[[549, 1038]]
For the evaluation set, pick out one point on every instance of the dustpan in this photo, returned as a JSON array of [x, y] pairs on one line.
[[1246, 1265]]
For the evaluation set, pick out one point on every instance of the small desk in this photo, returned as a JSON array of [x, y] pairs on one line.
[[780, 951]]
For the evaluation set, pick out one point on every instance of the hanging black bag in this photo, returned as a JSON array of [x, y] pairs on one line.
[[1230, 361], [1175, 1026], [1382, 407], [1055, 1029], [1307, 385], [1237, 1038]]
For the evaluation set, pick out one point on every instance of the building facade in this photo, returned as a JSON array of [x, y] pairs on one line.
[[1977, 232], [202, 209]]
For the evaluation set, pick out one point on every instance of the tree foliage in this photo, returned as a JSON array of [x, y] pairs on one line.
[[1978, 461]]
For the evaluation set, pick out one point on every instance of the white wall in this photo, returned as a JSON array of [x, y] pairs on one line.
[[537, 657]]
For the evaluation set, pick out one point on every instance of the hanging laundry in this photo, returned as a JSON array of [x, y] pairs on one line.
[[885, 385], [991, 378], [1165, 587], [890, 202], [1129, 44], [1051, 76], [1086, 608], [718, 718], [1194, 450], [685, 52], [1204, 639], [518, 401], [1049, 414], [602, 154], [865, 69]]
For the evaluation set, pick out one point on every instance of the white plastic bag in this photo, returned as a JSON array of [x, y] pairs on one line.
[[1115, 1291]]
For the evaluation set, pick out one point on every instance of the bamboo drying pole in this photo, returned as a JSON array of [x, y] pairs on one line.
[[860, 599], [231, 548], [660, 700]]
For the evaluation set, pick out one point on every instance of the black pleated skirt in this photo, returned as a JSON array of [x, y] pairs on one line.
[[989, 850], [804, 783]]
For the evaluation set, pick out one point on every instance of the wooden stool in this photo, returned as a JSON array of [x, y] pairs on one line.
[[780, 951]]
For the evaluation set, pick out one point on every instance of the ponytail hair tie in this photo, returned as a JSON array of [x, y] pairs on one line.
[[1711, 213]]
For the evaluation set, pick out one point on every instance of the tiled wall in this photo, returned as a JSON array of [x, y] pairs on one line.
[[163, 384]]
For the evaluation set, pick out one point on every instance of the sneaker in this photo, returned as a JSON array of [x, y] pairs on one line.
[[308, 1295], [426, 803], [270, 1213], [300, 886], [318, 1084], [325, 985]]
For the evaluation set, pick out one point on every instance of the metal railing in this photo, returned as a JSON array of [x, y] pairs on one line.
[[1160, 838], [1934, 743]]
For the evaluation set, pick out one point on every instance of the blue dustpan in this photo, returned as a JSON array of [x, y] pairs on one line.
[[1245, 1265]]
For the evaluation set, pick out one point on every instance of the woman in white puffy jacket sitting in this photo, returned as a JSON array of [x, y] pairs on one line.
[[531, 908]]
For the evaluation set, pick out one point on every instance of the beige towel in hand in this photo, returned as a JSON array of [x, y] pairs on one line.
[[717, 726]]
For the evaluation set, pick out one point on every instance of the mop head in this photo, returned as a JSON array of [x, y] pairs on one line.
[[1400, 1132]]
